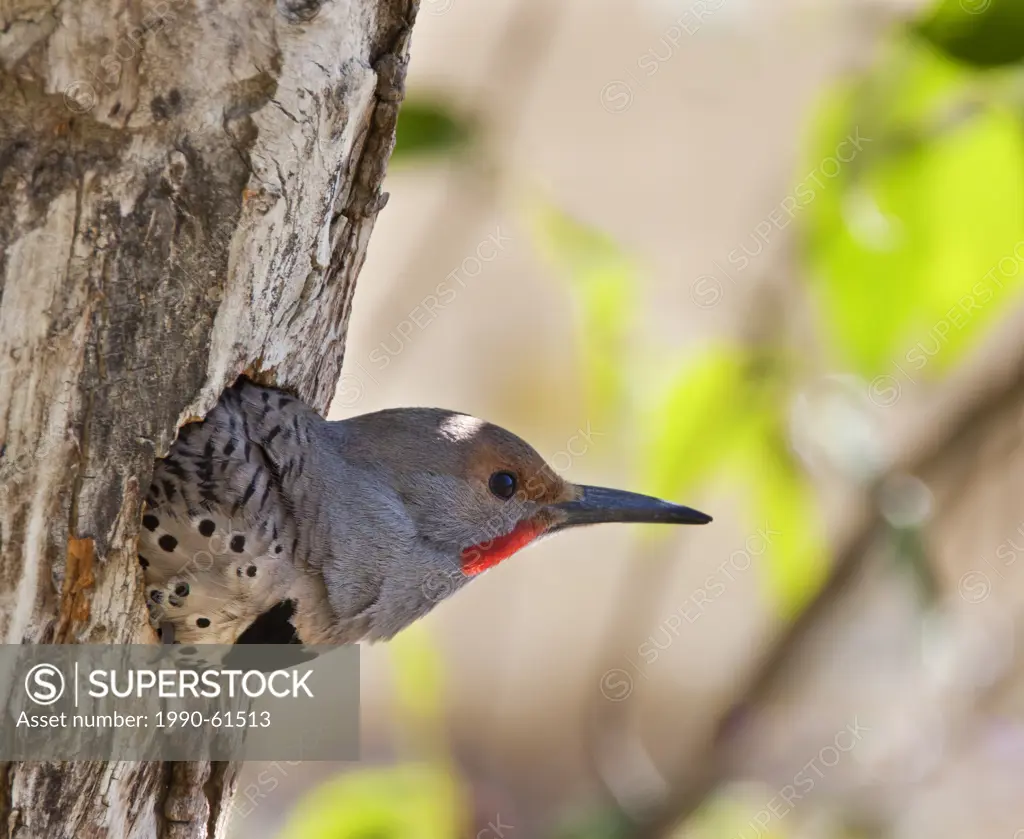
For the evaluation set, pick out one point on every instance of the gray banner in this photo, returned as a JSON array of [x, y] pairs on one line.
[[173, 702]]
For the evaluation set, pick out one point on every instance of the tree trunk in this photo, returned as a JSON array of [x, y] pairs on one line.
[[187, 193]]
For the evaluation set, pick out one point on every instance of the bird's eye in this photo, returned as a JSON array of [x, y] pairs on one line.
[[502, 484]]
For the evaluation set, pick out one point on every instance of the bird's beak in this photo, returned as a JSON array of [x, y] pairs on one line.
[[598, 504]]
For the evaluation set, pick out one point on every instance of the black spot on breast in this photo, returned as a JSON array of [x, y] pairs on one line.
[[207, 527], [167, 542], [143, 562], [150, 522], [238, 543], [251, 571], [202, 623], [278, 549], [272, 627], [229, 447]]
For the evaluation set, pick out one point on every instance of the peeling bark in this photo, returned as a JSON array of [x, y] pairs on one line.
[[187, 194]]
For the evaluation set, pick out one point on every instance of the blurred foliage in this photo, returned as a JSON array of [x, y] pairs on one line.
[[430, 129], [726, 411], [603, 279], [914, 237], [915, 246], [700, 416], [599, 824], [735, 813], [909, 551], [784, 518], [984, 33], [920, 236], [409, 801], [416, 800], [418, 674]]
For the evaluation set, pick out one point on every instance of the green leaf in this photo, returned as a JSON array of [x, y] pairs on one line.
[[982, 33], [722, 412], [403, 802], [724, 815], [696, 422], [428, 128], [972, 207], [907, 240], [418, 674], [603, 279], [599, 824], [787, 527]]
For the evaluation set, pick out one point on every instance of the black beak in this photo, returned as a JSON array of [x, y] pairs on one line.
[[607, 505]]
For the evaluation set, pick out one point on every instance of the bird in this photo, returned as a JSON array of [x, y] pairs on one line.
[[267, 523]]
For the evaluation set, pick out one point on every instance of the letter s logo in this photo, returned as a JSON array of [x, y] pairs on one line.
[[44, 684]]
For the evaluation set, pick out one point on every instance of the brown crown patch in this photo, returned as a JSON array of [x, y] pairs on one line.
[[494, 449]]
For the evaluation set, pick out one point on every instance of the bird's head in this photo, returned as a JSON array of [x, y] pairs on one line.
[[479, 492]]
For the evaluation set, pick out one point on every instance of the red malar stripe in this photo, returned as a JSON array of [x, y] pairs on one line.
[[488, 554]]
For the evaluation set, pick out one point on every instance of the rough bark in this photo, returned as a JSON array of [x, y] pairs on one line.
[[186, 193]]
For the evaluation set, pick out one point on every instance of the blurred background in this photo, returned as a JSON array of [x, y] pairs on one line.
[[762, 257]]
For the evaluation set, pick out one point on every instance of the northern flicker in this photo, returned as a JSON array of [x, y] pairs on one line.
[[268, 524]]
